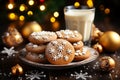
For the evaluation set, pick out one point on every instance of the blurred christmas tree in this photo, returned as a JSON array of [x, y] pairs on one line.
[[22, 11]]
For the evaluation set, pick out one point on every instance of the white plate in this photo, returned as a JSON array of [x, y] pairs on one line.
[[93, 56]]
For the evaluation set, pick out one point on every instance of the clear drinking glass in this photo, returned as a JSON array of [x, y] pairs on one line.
[[80, 19]]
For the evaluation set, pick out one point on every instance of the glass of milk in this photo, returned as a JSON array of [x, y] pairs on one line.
[[80, 19]]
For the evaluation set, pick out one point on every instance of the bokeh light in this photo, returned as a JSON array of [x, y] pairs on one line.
[[107, 11], [52, 19], [101, 7], [12, 16], [10, 6], [55, 26], [77, 4], [30, 13], [31, 2], [90, 3], [56, 14], [22, 7], [21, 18], [42, 7]]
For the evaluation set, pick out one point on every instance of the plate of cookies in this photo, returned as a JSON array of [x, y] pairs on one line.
[[57, 50]]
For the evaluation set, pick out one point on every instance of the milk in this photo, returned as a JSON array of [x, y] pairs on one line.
[[80, 20]]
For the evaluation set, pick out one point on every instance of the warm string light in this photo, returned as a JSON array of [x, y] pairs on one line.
[[77, 4], [107, 11], [12, 16], [22, 7], [56, 14], [30, 13], [90, 3], [10, 6], [31, 2], [52, 19], [55, 25], [42, 7], [21, 18]]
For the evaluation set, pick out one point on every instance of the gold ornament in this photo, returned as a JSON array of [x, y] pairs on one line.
[[30, 27], [17, 70], [107, 63], [98, 47], [110, 40], [12, 37], [96, 33]]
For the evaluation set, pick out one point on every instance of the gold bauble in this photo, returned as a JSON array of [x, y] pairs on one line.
[[98, 47], [30, 27], [12, 37], [110, 40], [17, 70], [107, 63], [96, 33]]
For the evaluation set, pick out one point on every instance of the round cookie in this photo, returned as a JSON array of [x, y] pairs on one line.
[[60, 52], [81, 54], [30, 47], [39, 58], [78, 45], [42, 37], [70, 35]]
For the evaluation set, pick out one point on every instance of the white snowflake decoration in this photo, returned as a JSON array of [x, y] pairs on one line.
[[81, 75], [9, 52], [33, 75]]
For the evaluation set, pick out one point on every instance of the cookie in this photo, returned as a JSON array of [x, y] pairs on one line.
[[39, 58], [82, 54], [70, 35], [60, 52], [30, 47], [78, 45], [42, 37]]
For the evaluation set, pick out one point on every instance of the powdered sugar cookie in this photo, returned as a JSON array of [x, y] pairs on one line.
[[42, 37], [78, 45], [39, 58], [30, 47], [60, 52], [82, 54], [70, 35]]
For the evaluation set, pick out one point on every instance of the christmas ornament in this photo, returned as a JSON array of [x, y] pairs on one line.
[[30, 27], [98, 47], [17, 70], [12, 37], [96, 33], [107, 63], [110, 40]]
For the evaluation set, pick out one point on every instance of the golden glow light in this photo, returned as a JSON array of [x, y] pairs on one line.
[[10, 6], [107, 11], [76, 4], [42, 7], [30, 13], [101, 7], [56, 14], [55, 25], [31, 2], [52, 19], [22, 7], [21, 18], [12, 16], [90, 3]]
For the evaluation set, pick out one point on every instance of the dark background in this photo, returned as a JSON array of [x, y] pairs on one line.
[[113, 18]]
